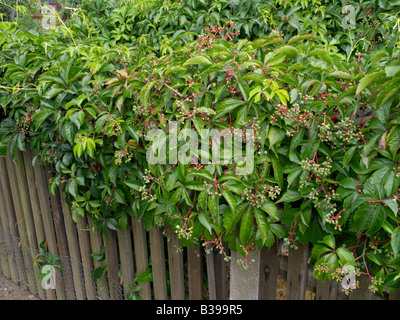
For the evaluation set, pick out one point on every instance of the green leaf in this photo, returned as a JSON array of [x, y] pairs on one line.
[[329, 240], [270, 208], [112, 224], [395, 241], [339, 75], [119, 196], [40, 116], [290, 196], [364, 82], [262, 223], [392, 204], [230, 198], [145, 276], [246, 226], [111, 173], [393, 140], [275, 136], [230, 219], [205, 221], [69, 132], [227, 105], [345, 255], [349, 155], [177, 195], [201, 60]]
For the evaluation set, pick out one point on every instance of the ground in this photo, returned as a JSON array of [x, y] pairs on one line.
[[11, 291]]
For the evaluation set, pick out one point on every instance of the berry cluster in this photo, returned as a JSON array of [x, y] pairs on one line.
[[259, 198], [344, 132], [146, 192], [120, 155], [25, 121], [315, 169], [184, 232], [141, 111], [245, 262], [224, 32]]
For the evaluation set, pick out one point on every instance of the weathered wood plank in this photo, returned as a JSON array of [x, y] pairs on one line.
[[141, 256], [48, 225], [211, 281], [17, 262], [158, 264], [326, 290], [269, 273], [87, 261], [73, 244], [176, 272], [297, 273], [97, 244], [195, 274], [126, 257], [111, 251]]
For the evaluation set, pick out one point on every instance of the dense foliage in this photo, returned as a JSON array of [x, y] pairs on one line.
[[320, 96]]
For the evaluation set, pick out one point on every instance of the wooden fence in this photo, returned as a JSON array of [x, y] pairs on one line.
[[29, 215]]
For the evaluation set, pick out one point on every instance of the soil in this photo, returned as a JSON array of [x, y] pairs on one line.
[[11, 291]]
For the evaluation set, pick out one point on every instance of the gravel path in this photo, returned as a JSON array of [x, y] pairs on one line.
[[11, 291]]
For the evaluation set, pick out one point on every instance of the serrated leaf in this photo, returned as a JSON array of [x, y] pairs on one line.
[[246, 226], [262, 223], [395, 241], [364, 82], [202, 60]]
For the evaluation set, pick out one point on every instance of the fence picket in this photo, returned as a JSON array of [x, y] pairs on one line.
[[326, 290], [158, 264], [297, 273], [269, 273], [141, 256], [195, 274], [176, 273], [111, 250], [87, 261], [126, 257], [97, 244], [73, 245]]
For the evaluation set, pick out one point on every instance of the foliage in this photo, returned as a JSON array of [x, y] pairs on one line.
[[12, 9], [321, 104]]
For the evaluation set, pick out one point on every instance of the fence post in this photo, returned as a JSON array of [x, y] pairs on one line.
[[269, 273], [244, 283]]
